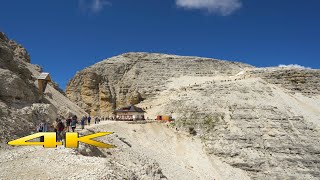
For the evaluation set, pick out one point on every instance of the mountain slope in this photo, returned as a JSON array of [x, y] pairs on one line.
[[262, 121]]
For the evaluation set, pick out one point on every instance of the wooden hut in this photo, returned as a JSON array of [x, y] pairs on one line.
[[43, 80], [129, 113]]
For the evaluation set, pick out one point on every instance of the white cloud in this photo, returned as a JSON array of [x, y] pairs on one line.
[[294, 66], [220, 7], [93, 6]]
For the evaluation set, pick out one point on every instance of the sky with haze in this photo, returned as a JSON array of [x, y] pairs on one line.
[[65, 36]]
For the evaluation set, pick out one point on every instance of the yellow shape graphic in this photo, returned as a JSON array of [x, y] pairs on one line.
[[72, 140], [49, 140]]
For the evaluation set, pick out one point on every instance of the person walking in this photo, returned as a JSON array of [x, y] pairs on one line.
[[97, 120], [68, 123], [60, 128], [74, 123], [42, 127], [82, 122], [89, 119], [54, 125]]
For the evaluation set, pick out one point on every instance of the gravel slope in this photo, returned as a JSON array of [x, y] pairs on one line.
[[144, 151]]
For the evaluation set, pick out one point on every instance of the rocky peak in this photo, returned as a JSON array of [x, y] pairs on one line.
[[3, 37]]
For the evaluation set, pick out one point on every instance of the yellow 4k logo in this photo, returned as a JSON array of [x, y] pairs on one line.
[[72, 140]]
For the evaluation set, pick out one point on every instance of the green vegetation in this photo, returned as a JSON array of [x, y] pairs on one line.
[[210, 121], [172, 125]]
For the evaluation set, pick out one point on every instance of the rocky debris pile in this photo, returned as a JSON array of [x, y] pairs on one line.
[[20, 110], [133, 77]]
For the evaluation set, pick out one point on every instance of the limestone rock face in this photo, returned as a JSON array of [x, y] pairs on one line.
[[15, 76], [20, 110], [15, 88], [19, 51], [133, 77]]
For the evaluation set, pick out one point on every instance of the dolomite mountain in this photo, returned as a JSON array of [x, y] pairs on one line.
[[20, 107], [262, 122], [234, 121]]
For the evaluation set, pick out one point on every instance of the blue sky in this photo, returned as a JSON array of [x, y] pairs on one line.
[[67, 36]]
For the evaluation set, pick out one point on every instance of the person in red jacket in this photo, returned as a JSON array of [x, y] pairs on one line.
[[60, 129]]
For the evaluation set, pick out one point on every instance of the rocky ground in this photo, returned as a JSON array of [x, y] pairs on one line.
[[144, 151]]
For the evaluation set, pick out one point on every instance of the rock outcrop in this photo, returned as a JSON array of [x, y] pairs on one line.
[[20, 107], [19, 51]]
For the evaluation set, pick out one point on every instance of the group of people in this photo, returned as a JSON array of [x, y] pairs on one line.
[[61, 126]]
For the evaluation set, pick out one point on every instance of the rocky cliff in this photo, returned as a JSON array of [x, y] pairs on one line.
[[20, 108], [262, 121]]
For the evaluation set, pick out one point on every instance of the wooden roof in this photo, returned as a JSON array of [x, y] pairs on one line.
[[130, 108], [44, 76]]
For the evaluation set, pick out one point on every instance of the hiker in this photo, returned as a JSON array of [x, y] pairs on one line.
[[89, 119], [96, 120], [60, 128], [54, 125], [74, 123], [42, 127], [82, 122], [68, 123]]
